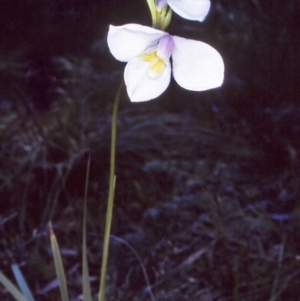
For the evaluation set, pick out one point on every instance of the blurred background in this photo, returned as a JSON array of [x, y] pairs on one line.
[[207, 189]]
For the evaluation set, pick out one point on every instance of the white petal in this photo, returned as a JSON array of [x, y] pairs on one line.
[[140, 87], [190, 9], [196, 65], [130, 40]]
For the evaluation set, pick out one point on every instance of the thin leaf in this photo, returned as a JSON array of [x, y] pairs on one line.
[[58, 266], [86, 288], [22, 282], [12, 289]]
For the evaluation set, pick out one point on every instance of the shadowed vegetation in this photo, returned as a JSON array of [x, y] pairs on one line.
[[207, 189]]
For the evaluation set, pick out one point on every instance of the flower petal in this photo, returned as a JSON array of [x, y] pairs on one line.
[[130, 40], [196, 65], [190, 9], [140, 87], [160, 4], [165, 48]]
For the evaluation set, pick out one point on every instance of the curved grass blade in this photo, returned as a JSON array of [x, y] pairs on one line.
[[58, 266], [12, 289], [22, 282]]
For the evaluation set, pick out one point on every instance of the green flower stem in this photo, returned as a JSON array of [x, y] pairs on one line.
[[110, 200]]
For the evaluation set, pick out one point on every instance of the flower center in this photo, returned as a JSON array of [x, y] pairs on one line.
[[159, 57]]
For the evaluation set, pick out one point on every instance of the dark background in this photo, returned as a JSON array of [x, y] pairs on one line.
[[207, 183]]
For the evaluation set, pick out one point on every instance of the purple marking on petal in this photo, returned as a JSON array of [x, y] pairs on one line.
[[160, 4], [165, 47]]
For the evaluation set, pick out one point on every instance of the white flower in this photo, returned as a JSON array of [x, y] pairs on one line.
[[196, 65], [187, 9]]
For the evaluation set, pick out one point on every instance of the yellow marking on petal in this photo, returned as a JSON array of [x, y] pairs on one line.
[[156, 68], [149, 57]]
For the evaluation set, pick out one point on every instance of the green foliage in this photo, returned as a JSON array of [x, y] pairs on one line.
[[59, 266], [86, 287], [22, 283], [12, 289]]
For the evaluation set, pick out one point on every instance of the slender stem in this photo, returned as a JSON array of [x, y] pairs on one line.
[[110, 200]]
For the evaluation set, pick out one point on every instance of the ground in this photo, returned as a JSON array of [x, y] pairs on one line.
[[207, 184]]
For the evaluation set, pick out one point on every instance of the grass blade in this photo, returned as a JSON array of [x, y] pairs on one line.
[[12, 289], [58, 266], [86, 288], [22, 282]]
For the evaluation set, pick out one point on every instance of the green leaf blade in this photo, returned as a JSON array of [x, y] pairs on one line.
[[59, 266], [22, 282], [12, 289]]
